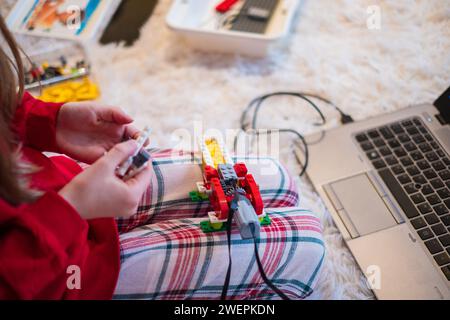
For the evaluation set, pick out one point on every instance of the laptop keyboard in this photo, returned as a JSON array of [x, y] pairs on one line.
[[416, 169]]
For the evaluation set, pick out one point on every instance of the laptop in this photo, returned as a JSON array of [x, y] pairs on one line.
[[386, 183]]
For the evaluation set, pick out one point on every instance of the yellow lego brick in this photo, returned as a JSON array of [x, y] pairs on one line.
[[215, 151], [71, 91]]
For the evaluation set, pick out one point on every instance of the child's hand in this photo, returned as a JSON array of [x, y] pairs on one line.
[[85, 131], [99, 193]]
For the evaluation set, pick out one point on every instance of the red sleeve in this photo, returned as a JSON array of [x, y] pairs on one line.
[[42, 239], [35, 123]]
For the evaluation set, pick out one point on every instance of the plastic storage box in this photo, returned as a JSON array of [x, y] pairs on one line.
[[52, 51], [192, 20]]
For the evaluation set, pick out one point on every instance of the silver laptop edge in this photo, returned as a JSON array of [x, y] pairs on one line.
[[380, 236]]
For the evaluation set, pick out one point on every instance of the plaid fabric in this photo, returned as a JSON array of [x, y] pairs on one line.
[[167, 256], [176, 260], [176, 174]]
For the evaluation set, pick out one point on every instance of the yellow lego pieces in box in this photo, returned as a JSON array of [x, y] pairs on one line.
[[71, 91]]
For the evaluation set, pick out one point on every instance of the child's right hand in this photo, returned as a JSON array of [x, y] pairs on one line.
[[99, 193]]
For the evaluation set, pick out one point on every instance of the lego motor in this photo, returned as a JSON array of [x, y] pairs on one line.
[[246, 219]]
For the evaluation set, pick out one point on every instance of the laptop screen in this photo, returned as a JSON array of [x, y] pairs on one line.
[[443, 105]]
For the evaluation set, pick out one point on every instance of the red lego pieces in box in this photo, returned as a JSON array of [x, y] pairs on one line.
[[225, 5]]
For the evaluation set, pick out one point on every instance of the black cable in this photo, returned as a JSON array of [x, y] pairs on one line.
[[320, 98], [294, 94], [226, 283], [257, 104], [261, 269], [305, 96], [295, 132], [305, 146]]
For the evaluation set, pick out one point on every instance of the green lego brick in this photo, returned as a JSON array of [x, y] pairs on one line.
[[194, 196], [197, 196], [266, 221], [204, 197], [207, 227]]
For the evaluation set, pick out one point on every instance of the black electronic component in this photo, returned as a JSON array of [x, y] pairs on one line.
[[254, 16], [138, 163], [141, 158], [135, 163]]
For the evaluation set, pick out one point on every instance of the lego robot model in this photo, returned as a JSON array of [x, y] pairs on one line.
[[228, 186]]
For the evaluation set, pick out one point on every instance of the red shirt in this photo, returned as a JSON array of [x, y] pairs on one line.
[[39, 241]]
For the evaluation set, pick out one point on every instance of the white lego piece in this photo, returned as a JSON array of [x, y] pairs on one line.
[[213, 218], [201, 187]]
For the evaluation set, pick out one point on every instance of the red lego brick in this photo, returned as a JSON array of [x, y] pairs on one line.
[[218, 199], [252, 189], [241, 169], [209, 173]]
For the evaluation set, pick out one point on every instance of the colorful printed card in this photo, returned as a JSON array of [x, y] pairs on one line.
[[70, 19]]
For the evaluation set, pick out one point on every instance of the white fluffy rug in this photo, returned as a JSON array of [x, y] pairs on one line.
[[164, 83]]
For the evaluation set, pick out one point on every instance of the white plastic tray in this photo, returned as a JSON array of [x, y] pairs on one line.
[[190, 19]]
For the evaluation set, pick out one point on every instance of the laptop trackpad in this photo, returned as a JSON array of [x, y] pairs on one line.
[[360, 206]]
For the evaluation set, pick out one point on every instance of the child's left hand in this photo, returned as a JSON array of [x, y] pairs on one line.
[[85, 131]]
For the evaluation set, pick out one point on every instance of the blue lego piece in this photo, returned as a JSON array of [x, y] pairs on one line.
[[227, 173]]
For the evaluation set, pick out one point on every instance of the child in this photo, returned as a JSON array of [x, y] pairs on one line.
[[73, 233]]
